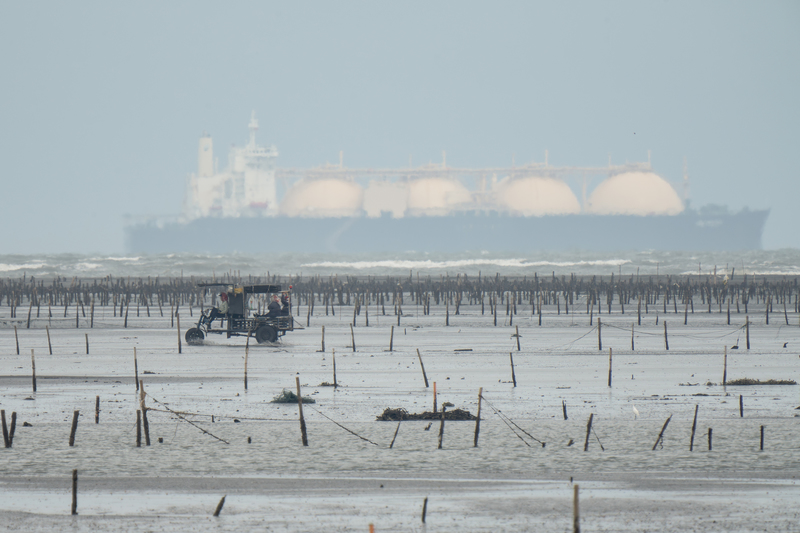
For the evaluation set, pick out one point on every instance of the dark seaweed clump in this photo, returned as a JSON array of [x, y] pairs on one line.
[[396, 415], [750, 381], [288, 396]]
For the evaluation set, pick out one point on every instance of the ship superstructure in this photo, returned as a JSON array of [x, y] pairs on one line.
[[246, 188]]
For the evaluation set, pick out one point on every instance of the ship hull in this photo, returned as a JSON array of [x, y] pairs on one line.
[[491, 232]]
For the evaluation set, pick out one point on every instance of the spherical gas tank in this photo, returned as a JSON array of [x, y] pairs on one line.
[[436, 196], [536, 196], [635, 193], [322, 198]]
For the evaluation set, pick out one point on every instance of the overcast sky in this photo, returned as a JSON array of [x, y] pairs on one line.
[[102, 104]]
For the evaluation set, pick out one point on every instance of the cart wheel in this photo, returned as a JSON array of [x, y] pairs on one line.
[[266, 334], [194, 336]]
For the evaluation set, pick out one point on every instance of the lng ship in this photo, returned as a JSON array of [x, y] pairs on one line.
[[434, 208]]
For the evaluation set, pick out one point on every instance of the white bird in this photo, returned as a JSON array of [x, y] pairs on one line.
[[635, 413]]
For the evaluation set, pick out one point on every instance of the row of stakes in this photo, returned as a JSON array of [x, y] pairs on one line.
[[218, 509], [143, 427]]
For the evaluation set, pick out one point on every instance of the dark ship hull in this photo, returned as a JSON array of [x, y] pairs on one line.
[[708, 229]]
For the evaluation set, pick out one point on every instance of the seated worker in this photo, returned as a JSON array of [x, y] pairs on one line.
[[285, 304], [221, 311], [274, 307]]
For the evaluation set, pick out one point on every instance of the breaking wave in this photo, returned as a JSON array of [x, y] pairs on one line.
[[458, 263]]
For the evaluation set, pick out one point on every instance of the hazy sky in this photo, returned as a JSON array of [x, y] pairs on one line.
[[102, 104]]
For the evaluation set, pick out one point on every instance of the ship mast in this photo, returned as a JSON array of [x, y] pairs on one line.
[[253, 126]]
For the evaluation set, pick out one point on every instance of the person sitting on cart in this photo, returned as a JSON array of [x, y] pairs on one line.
[[221, 311], [274, 307], [285, 304]]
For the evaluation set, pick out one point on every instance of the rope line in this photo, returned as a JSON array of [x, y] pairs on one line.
[[186, 420], [341, 426], [509, 421]]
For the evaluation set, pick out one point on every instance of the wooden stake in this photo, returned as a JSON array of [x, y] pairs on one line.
[[609, 366], [633, 347], [138, 428], [424, 508], [513, 375], [762, 439], [178, 329], [391, 340], [434, 396], [303, 433], [49, 345], [136, 368], [666, 339], [441, 428], [747, 330], [588, 432], [97, 409], [517, 336], [599, 335], [323, 338], [709, 439], [87, 343], [353, 337], [478, 418], [694, 427], [74, 492], [564, 409], [246, 356], [33, 370], [6, 441], [661, 434], [422, 366], [74, 428], [219, 506], [395, 434], [12, 429], [16, 339], [741, 406], [335, 383], [143, 407], [725, 367], [576, 518]]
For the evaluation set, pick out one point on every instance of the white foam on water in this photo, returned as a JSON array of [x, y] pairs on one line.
[[6, 267], [461, 263]]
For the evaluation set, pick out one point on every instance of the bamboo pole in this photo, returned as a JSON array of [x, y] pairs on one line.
[[422, 366], [74, 492], [661, 434], [33, 370], [74, 428], [576, 518], [143, 407], [303, 433], [219, 506], [588, 432], [478, 418]]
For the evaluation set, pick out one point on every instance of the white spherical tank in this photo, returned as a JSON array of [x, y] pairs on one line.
[[536, 196], [635, 193], [323, 198], [436, 196]]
